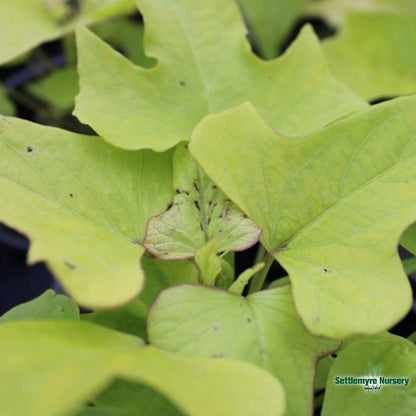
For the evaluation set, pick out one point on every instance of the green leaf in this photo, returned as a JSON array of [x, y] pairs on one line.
[[331, 205], [49, 19], [7, 107], [201, 72], [200, 212], [208, 262], [270, 22], [397, 358], [371, 54], [322, 371], [161, 274], [263, 329], [130, 318], [334, 11], [53, 367], [412, 338], [238, 286], [47, 306], [137, 398], [58, 89], [105, 411], [84, 205]]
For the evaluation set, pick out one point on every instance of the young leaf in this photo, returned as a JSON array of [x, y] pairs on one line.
[[208, 262], [201, 72], [78, 359], [331, 205], [240, 283], [200, 212], [270, 22], [84, 205], [263, 329], [49, 19], [371, 54], [394, 356], [47, 306]]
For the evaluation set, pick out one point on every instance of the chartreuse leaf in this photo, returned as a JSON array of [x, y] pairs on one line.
[[270, 22], [263, 329], [201, 72], [49, 305], [371, 54], [133, 397], [130, 318], [58, 89], [412, 338], [240, 283], [335, 10], [200, 212], [84, 205], [7, 107], [105, 411], [389, 356], [44, 20], [331, 205], [53, 367], [161, 274]]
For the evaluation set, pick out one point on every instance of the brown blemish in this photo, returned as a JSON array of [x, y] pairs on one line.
[[70, 265], [29, 149], [182, 82], [248, 320]]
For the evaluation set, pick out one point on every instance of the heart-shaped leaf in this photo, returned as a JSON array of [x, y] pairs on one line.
[[263, 329]]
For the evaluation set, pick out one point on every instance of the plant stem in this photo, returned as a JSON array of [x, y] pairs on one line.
[[258, 279], [409, 266]]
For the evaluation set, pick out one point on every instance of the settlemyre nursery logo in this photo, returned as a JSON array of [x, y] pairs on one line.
[[372, 382]]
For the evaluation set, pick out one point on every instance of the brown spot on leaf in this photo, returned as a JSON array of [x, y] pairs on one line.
[[197, 205], [71, 195], [215, 328], [249, 320], [325, 270], [182, 82], [217, 355], [70, 265], [29, 149]]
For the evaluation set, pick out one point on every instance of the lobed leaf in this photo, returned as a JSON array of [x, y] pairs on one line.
[[84, 206], [331, 205], [201, 72], [263, 329], [82, 358]]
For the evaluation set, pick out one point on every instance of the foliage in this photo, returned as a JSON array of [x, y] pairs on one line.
[[204, 150]]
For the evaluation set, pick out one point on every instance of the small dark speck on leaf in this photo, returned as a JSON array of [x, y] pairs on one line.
[[135, 242], [196, 186], [182, 82], [29, 149], [215, 328], [70, 265], [62, 309], [169, 206], [71, 195], [334, 355], [201, 227], [214, 186], [217, 355], [197, 205], [327, 270], [318, 317], [249, 320]]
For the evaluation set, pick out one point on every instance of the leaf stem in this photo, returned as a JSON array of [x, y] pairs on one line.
[[257, 281]]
